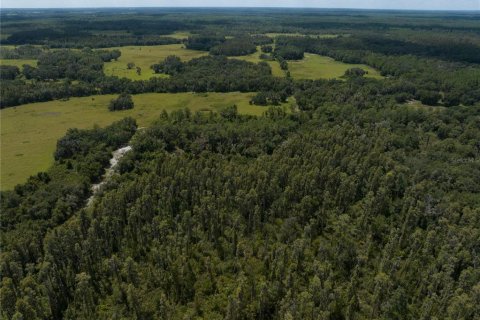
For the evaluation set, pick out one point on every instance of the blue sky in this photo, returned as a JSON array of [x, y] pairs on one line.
[[366, 4]]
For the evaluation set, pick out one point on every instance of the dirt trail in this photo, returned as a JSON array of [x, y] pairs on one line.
[[116, 156]]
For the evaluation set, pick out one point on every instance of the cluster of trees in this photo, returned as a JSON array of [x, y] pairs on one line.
[[8, 72], [355, 72], [332, 213], [273, 98], [288, 52], [210, 73], [45, 202], [122, 102], [204, 42], [93, 33], [455, 83], [171, 65], [85, 65], [21, 52], [234, 47]]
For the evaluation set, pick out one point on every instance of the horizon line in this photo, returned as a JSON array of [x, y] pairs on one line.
[[238, 7]]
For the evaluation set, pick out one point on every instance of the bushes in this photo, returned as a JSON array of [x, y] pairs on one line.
[[171, 65], [123, 102], [9, 72], [355, 72], [430, 98], [289, 52]]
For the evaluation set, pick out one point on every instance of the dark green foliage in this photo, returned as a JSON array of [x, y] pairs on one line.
[[355, 72], [289, 52], [107, 55], [269, 98], [267, 49], [85, 65], [21, 52], [171, 66], [204, 42], [234, 47], [122, 102], [333, 213], [429, 98], [9, 72], [355, 205]]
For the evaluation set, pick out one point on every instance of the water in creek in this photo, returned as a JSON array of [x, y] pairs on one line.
[[116, 156]]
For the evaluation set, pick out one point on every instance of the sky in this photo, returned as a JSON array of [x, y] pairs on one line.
[[364, 4]]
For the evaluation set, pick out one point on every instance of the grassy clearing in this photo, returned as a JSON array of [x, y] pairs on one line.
[[18, 62], [314, 66], [29, 132], [144, 57], [182, 35], [255, 58]]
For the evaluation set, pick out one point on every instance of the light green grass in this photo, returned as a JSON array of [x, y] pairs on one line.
[[144, 57], [314, 66], [29, 132], [255, 58], [182, 35], [18, 62]]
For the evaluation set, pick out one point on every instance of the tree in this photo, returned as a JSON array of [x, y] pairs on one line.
[[171, 65], [355, 72], [8, 72], [123, 102], [130, 65], [267, 48]]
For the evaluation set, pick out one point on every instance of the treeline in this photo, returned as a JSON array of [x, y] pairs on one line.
[[21, 52], [432, 80], [334, 213], [211, 73], [53, 38]]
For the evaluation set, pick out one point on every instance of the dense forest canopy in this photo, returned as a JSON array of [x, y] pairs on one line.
[[361, 201]]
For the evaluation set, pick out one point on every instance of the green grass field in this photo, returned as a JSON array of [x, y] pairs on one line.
[[17, 62], [144, 57], [314, 66], [255, 58], [182, 35], [29, 132]]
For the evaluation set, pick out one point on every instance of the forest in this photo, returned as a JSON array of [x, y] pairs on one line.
[[349, 197]]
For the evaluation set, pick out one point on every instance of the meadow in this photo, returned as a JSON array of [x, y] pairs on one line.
[[18, 62], [29, 132], [314, 66], [144, 57], [255, 58]]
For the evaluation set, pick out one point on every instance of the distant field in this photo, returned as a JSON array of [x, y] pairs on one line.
[[17, 62], [314, 66], [29, 132], [255, 58], [277, 34], [179, 35], [144, 57]]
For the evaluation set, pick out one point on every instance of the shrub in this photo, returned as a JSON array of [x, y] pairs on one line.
[[123, 102]]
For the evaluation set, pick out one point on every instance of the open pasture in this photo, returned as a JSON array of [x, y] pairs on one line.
[[18, 62], [29, 132], [144, 57], [314, 66]]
